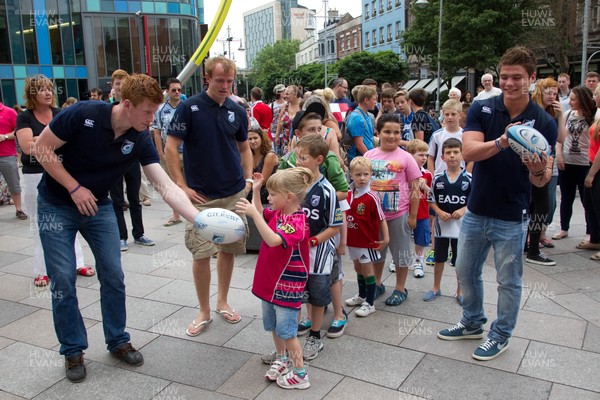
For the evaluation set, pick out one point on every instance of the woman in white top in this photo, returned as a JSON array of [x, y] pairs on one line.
[[572, 155]]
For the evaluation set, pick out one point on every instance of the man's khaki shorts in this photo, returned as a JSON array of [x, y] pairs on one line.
[[202, 248]]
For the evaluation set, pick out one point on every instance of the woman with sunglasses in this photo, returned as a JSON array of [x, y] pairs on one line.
[[41, 108]]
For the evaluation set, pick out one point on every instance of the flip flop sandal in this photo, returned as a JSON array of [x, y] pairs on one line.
[[585, 245], [86, 271], [196, 327], [396, 298], [229, 316], [560, 235], [172, 222], [547, 243]]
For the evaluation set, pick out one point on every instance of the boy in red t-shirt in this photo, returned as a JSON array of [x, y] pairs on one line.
[[366, 226]]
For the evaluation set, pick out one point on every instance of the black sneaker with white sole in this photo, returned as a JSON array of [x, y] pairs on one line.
[[540, 259]]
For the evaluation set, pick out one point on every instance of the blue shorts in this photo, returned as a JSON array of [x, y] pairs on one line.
[[317, 290], [282, 320], [422, 233]]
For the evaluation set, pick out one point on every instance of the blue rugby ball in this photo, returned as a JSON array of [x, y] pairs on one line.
[[526, 141]]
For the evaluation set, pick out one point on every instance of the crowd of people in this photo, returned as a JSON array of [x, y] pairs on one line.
[[321, 177]]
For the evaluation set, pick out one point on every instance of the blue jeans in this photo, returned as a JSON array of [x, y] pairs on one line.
[[58, 226], [477, 235]]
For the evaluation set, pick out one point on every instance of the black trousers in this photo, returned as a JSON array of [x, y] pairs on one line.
[[570, 179], [133, 180], [591, 202], [538, 209]]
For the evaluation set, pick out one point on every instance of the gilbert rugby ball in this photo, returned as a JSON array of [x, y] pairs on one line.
[[220, 226], [526, 141]]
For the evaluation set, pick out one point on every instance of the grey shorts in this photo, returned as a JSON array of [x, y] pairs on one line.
[[10, 170], [400, 243]]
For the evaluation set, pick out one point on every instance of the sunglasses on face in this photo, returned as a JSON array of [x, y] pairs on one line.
[[176, 90]]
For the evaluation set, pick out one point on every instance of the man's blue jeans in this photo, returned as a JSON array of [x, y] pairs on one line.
[[58, 226], [477, 235]]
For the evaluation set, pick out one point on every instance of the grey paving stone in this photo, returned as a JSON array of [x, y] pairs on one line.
[[581, 305], [15, 287], [243, 301], [28, 370], [424, 338], [190, 363], [572, 261], [544, 283], [253, 339], [563, 365], [141, 313], [592, 339], [248, 381], [583, 281], [539, 303], [5, 342], [441, 378], [97, 351], [391, 329], [7, 258], [178, 292], [42, 297], [561, 392], [219, 331], [32, 329], [177, 391], [177, 269], [240, 279], [565, 331], [10, 312], [444, 309], [15, 244], [22, 266], [140, 285], [353, 389], [594, 295], [145, 264], [148, 250], [365, 360], [9, 396], [104, 382], [321, 382]]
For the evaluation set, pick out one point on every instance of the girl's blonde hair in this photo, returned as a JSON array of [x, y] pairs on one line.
[[326, 94], [293, 180]]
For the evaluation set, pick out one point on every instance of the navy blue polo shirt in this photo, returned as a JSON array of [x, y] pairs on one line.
[[501, 187], [210, 133], [91, 153]]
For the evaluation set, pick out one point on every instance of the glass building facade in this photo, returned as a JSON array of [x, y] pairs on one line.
[[79, 43]]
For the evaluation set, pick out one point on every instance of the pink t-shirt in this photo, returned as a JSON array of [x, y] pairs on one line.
[[8, 123], [392, 170]]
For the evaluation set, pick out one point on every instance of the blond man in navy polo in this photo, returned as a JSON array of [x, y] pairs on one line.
[[84, 150], [217, 163]]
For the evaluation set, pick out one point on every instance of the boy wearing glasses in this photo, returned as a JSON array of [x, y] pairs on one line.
[[162, 119]]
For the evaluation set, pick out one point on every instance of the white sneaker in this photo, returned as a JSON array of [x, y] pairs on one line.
[[278, 368], [365, 310], [392, 266], [355, 301], [418, 270]]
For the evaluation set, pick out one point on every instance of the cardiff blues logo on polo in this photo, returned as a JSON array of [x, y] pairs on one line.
[[231, 116], [127, 147], [89, 123]]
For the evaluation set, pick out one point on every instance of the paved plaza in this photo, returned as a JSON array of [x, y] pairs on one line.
[[392, 354]]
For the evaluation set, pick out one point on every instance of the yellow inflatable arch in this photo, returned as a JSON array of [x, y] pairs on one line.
[[208, 40]]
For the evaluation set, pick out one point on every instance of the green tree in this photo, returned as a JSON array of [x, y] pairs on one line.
[[309, 76], [383, 66], [273, 64], [475, 33]]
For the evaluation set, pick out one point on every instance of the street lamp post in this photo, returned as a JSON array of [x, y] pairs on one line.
[[230, 39], [425, 3]]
